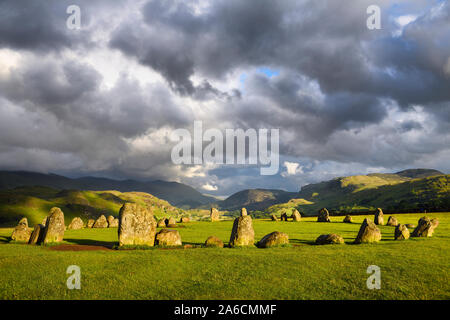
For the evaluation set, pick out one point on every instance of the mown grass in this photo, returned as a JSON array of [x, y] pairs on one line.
[[411, 269]]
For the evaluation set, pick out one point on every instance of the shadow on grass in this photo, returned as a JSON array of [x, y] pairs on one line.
[[5, 239], [107, 244]]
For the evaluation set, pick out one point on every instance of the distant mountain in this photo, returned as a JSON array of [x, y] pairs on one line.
[[177, 194], [405, 191], [34, 203], [254, 199]]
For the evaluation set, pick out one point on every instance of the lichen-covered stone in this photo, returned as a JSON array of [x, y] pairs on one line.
[[170, 220], [184, 220], [213, 241], [379, 217], [76, 224], [273, 239], [54, 226], [296, 216], [244, 212], [348, 219], [37, 234], [161, 223], [401, 232], [329, 239], [324, 215], [101, 222], [112, 222], [425, 227], [392, 221], [242, 233], [90, 223], [167, 237], [214, 215], [368, 232], [21, 232], [137, 226]]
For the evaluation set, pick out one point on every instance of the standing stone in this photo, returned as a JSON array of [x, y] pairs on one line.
[[167, 237], [184, 220], [21, 232], [284, 217], [273, 239], [76, 224], [324, 215], [161, 223], [348, 219], [392, 221], [171, 220], [296, 216], [243, 212], [368, 232], [214, 215], [329, 239], [425, 227], [114, 223], [90, 223], [242, 233], [401, 232], [54, 226], [379, 217], [37, 234], [214, 242], [101, 222], [274, 217], [137, 226], [110, 221]]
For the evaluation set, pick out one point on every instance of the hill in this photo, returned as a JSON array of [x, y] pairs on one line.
[[177, 194], [254, 199], [35, 203], [392, 192]]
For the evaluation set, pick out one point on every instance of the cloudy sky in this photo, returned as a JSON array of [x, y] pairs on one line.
[[104, 99]]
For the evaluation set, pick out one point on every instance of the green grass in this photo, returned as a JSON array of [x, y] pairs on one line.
[[411, 269]]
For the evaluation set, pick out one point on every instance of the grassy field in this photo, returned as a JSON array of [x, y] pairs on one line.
[[411, 269]]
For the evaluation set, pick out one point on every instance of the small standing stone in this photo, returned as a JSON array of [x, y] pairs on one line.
[[37, 234], [379, 217], [368, 232], [76, 224], [101, 222], [161, 223], [324, 215], [296, 216], [184, 220], [401, 232], [392, 221], [90, 223], [21, 232], [425, 227], [213, 241], [54, 227], [329, 239], [214, 215], [167, 237], [348, 219]]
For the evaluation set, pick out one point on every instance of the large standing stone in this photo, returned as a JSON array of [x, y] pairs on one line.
[[425, 227], [137, 226], [368, 232], [213, 241], [101, 222], [37, 234], [90, 223], [214, 215], [324, 215], [273, 239], [392, 221], [167, 237], [379, 217], [161, 223], [242, 233], [401, 232], [329, 239], [21, 232], [348, 219], [296, 216], [244, 212], [76, 224], [54, 226], [274, 217]]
